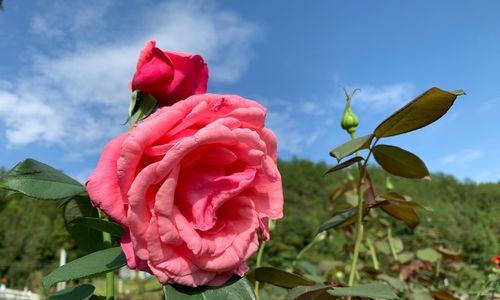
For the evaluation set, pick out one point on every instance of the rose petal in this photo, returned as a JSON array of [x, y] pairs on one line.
[[102, 185]]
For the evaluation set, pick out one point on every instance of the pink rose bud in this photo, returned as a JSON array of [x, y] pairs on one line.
[[192, 185], [169, 76]]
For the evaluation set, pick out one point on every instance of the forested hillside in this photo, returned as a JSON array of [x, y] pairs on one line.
[[464, 216], [464, 219]]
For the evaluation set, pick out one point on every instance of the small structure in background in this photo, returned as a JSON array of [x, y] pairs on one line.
[[62, 260], [25, 294]]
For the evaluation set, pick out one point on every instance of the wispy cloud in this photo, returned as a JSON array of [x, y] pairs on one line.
[[77, 95], [463, 158], [289, 124], [492, 175], [57, 25], [490, 105], [301, 125], [381, 98]]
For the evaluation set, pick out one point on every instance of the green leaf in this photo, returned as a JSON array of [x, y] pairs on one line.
[[93, 264], [400, 200], [449, 254], [141, 106], [398, 244], [77, 292], [235, 288], [307, 292], [352, 146], [392, 281], [133, 107], [86, 238], [280, 278], [404, 204], [421, 294], [308, 267], [100, 225], [343, 219], [345, 164], [443, 295], [370, 290], [428, 254], [148, 104], [420, 112], [400, 162], [383, 246], [400, 212], [38, 180], [405, 257]]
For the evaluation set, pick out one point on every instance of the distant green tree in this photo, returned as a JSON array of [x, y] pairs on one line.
[[464, 217]]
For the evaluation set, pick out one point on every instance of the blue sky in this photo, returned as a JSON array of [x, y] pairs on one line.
[[65, 68]]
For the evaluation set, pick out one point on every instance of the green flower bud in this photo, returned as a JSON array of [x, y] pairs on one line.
[[388, 184], [320, 237], [339, 275], [349, 120], [272, 225]]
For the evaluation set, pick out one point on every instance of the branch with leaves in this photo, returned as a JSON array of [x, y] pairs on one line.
[[98, 237]]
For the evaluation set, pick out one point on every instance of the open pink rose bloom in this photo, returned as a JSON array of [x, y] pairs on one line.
[[192, 185]]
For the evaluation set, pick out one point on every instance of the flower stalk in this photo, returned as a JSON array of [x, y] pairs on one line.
[[350, 123], [258, 263], [110, 276]]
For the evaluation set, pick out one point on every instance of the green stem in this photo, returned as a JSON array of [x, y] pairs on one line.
[[353, 136], [359, 221], [358, 236], [373, 253], [391, 244], [438, 267], [110, 276], [258, 264], [301, 253]]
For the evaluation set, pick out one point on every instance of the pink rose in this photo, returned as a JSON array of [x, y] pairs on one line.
[[192, 185], [169, 76]]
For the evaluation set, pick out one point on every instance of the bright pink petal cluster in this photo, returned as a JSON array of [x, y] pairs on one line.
[[192, 184], [169, 76]]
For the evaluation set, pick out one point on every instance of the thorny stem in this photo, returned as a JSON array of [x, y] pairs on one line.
[[257, 264], [110, 276]]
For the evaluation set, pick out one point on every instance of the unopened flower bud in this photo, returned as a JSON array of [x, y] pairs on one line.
[[388, 184], [272, 225], [320, 237], [339, 275], [349, 120]]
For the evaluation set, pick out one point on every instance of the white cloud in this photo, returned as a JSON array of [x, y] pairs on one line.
[[288, 124], [58, 20], [77, 94], [380, 98], [463, 158], [489, 106], [488, 176], [308, 121], [28, 118]]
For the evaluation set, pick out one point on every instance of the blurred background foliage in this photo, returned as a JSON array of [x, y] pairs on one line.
[[464, 220], [464, 216]]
